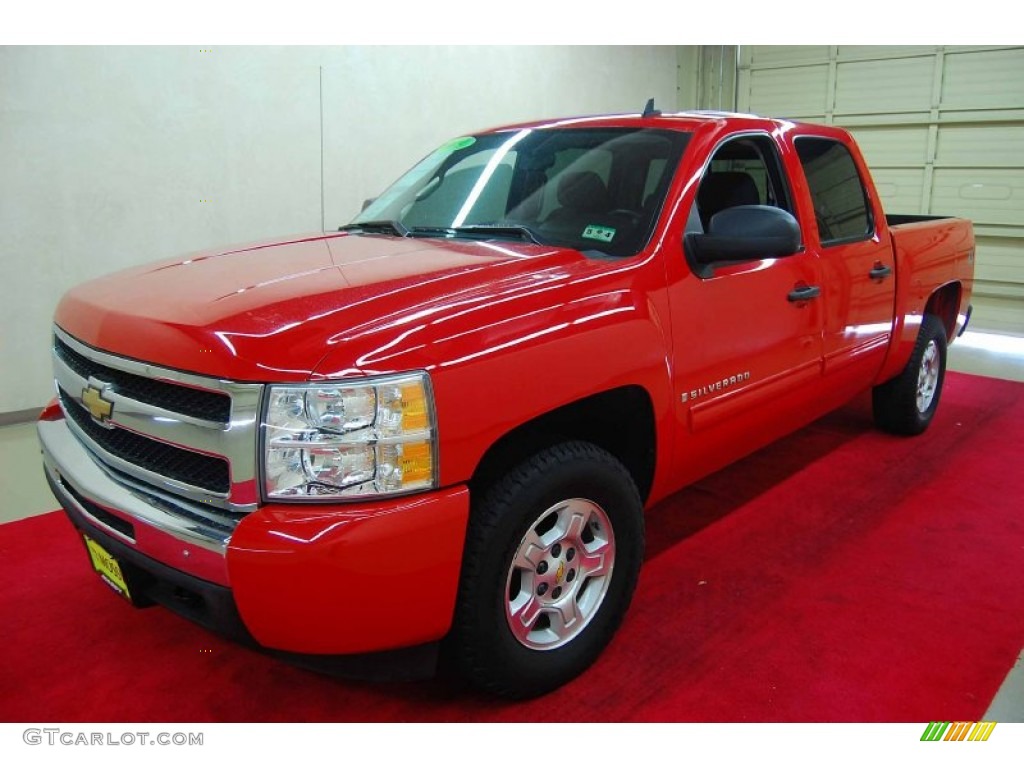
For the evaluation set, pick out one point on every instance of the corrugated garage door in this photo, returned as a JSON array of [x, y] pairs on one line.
[[941, 127]]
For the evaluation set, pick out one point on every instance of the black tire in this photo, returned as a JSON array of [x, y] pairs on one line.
[[567, 496], [906, 404]]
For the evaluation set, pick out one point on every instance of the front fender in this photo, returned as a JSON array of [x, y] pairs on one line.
[[511, 356]]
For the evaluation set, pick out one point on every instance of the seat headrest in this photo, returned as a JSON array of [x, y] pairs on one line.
[[726, 189], [582, 191]]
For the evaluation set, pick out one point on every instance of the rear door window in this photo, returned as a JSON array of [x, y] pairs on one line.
[[840, 201]]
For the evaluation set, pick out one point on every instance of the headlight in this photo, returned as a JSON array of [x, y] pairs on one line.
[[356, 438]]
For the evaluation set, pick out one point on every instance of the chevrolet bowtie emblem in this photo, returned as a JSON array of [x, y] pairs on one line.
[[101, 410]]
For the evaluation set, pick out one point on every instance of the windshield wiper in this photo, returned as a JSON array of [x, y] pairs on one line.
[[395, 227], [387, 226], [501, 230]]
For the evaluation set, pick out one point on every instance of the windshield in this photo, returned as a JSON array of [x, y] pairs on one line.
[[598, 190]]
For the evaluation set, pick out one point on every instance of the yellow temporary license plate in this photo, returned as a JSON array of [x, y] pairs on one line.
[[107, 567]]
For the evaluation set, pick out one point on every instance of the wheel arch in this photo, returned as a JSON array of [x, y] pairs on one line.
[[620, 420], [944, 303]]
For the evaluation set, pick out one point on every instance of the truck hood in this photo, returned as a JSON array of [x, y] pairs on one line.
[[272, 311]]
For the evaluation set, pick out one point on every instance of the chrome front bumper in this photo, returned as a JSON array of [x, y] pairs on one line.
[[181, 534]]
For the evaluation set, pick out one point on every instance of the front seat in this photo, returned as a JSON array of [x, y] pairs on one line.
[[725, 189], [581, 194]]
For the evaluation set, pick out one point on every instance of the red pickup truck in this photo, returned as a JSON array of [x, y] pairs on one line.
[[438, 428]]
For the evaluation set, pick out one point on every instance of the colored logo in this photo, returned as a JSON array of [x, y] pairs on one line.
[[92, 398], [958, 731]]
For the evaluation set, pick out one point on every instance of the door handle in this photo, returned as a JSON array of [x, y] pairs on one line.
[[804, 293], [880, 271]]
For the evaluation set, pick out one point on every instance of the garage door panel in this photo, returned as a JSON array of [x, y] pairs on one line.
[[790, 92], [899, 188], [786, 55], [897, 145], [1006, 254], [972, 48], [991, 196], [893, 85], [880, 51], [962, 156], [984, 80], [984, 272], [997, 146]]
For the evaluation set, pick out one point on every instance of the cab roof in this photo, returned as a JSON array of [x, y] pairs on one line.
[[680, 121]]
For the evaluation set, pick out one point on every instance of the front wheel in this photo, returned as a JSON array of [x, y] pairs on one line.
[[906, 404], [552, 556]]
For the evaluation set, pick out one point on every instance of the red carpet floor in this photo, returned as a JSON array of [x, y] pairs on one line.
[[839, 575]]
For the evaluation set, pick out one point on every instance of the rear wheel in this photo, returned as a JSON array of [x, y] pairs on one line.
[[906, 404], [552, 556]]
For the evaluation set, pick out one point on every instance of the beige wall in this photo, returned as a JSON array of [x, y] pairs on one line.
[[116, 156]]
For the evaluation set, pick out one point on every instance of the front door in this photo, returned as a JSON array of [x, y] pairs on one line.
[[747, 336]]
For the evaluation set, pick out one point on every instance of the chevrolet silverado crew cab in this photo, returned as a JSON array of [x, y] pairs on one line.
[[438, 428]]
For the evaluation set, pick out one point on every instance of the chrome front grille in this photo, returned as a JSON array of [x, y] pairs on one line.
[[201, 404], [173, 432], [207, 472]]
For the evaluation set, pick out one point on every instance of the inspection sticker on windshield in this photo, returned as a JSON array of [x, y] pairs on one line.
[[456, 144], [594, 232]]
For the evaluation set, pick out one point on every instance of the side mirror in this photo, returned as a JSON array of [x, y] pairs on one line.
[[742, 233]]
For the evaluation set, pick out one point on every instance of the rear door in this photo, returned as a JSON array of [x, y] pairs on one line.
[[856, 258]]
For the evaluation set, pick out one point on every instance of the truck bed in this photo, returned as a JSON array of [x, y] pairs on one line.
[[934, 260], [936, 251], [899, 219]]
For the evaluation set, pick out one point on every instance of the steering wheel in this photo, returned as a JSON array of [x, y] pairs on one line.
[[632, 216]]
